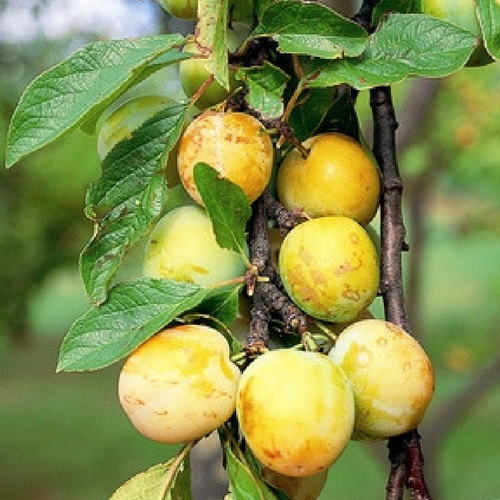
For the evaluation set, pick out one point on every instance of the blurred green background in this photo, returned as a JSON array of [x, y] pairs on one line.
[[64, 436]]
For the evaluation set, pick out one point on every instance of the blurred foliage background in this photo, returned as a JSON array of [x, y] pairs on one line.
[[64, 436]]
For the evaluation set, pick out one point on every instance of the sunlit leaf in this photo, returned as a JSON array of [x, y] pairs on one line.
[[404, 45], [79, 87], [132, 313], [311, 29]]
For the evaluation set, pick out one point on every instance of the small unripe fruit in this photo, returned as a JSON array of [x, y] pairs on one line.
[[183, 247], [184, 9], [180, 384], [296, 488], [193, 73], [329, 268], [234, 144], [120, 125], [391, 376], [296, 411], [338, 177]]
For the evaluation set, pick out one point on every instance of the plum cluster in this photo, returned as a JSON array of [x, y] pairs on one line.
[[296, 408]]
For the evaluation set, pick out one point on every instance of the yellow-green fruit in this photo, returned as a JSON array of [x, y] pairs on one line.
[[184, 9], [296, 411], [180, 384], [182, 247], [193, 73], [129, 116], [296, 488], [329, 268], [391, 376], [234, 144], [337, 178]]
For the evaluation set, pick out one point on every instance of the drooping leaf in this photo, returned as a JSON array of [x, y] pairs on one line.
[[266, 85], [211, 37], [132, 313], [385, 7], [128, 197], [489, 19], [404, 45], [311, 29], [170, 480], [227, 206], [79, 87], [311, 110]]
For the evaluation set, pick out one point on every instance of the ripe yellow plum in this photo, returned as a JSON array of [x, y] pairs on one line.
[[180, 384], [235, 144], [183, 247], [296, 411], [296, 488], [391, 376], [338, 177], [329, 267], [120, 125]]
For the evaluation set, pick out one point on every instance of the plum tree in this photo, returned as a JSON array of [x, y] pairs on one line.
[[391, 376], [180, 384], [338, 177], [329, 267], [296, 411], [121, 123], [183, 247], [235, 144], [185, 9]]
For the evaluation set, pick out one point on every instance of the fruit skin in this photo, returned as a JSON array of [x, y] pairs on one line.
[[337, 178], [296, 488], [180, 384], [120, 125], [295, 410], [185, 9], [193, 73], [391, 376], [234, 144], [329, 267], [182, 247]]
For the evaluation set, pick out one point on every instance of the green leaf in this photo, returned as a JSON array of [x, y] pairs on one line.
[[227, 206], [244, 481], [311, 29], [224, 306], [78, 88], [211, 37], [489, 19], [266, 85], [128, 197], [171, 480], [390, 6], [132, 313], [307, 116], [404, 45]]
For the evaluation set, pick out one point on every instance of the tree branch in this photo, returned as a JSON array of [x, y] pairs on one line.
[[405, 453]]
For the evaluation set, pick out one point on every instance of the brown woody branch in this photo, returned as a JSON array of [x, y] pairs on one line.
[[405, 452]]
